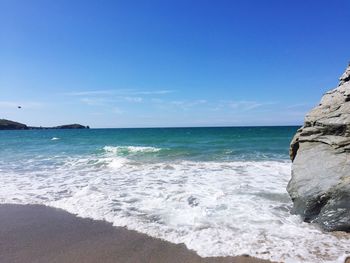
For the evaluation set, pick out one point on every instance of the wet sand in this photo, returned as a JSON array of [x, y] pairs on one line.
[[40, 234]]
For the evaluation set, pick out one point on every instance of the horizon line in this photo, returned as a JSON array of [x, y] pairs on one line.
[[214, 126]]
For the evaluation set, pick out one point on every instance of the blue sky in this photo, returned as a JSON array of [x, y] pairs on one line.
[[169, 63]]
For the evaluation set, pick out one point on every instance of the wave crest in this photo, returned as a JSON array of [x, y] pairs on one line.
[[130, 149]]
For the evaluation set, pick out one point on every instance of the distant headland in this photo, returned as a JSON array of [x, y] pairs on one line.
[[13, 125]]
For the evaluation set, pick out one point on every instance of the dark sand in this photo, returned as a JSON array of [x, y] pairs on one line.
[[34, 233]]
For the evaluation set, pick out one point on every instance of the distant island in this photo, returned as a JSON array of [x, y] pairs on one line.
[[13, 125]]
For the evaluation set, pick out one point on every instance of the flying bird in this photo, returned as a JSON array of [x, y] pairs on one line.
[[20, 107]]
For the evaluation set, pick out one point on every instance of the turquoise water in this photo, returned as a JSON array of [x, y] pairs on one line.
[[220, 191], [207, 144]]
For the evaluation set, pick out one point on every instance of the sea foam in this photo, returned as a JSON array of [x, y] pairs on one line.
[[130, 149], [215, 208]]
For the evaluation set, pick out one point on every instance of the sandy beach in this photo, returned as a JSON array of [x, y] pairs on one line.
[[36, 233]]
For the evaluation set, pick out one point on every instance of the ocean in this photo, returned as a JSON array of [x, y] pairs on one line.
[[220, 191]]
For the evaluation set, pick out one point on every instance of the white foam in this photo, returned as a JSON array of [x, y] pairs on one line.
[[116, 162], [215, 208], [55, 138], [130, 149]]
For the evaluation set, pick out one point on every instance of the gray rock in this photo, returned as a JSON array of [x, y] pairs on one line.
[[320, 151], [345, 77]]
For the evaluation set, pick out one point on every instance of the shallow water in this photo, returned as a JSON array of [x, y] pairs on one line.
[[221, 191]]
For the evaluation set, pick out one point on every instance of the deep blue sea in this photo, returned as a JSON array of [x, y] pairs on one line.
[[221, 191]]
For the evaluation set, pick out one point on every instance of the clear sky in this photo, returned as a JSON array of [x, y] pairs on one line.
[[169, 62]]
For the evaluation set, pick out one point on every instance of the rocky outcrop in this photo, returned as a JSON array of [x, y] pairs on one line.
[[320, 151], [12, 125]]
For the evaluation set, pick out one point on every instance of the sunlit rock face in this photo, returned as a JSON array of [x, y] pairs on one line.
[[320, 151]]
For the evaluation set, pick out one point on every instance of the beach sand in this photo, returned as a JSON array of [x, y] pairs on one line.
[[36, 233]]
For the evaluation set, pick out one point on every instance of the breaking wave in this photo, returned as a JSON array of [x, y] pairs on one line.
[[216, 208]]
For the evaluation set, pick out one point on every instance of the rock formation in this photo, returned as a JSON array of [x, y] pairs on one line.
[[320, 151]]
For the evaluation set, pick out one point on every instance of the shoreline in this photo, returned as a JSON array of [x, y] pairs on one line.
[[37, 233]]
